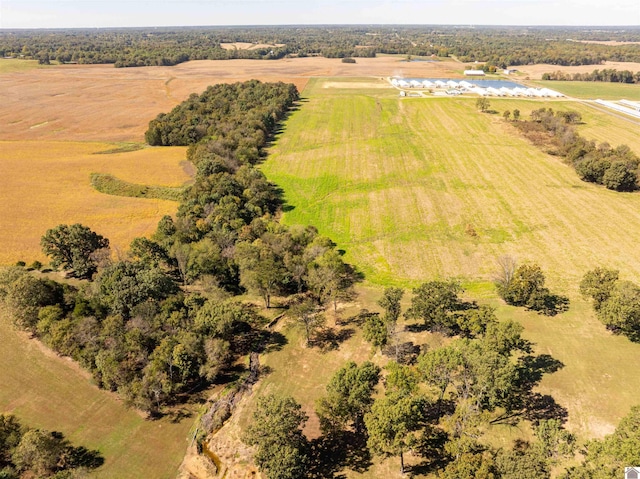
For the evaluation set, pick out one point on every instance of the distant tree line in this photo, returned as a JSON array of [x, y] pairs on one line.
[[610, 75], [28, 452], [138, 325], [615, 168], [496, 47]]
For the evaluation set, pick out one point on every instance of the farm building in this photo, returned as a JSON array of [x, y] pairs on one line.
[[474, 73]]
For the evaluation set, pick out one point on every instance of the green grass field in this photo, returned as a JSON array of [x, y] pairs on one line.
[[50, 392], [415, 189], [593, 90], [16, 65]]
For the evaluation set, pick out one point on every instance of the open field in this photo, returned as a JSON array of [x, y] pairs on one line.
[[594, 90], [416, 189], [50, 392], [248, 46], [46, 183], [535, 72], [104, 103]]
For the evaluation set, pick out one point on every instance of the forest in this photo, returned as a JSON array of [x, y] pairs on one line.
[[496, 46], [610, 75]]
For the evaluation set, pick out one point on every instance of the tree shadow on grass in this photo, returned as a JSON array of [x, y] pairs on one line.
[[329, 339], [334, 452]]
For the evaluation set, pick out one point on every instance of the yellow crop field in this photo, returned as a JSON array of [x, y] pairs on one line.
[[47, 183]]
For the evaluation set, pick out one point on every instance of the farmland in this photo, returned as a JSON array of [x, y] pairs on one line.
[[420, 189], [593, 90], [411, 189]]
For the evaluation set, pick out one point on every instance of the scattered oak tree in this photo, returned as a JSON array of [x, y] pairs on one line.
[[71, 247]]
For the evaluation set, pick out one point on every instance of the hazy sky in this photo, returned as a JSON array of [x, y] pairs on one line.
[[131, 13]]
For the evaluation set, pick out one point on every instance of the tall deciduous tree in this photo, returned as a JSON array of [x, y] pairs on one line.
[[394, 425], [390, 302], [434, 301], [349, 396], [276, 432], [71, 246]]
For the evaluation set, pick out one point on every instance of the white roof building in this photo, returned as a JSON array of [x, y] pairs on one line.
[[477, 73]]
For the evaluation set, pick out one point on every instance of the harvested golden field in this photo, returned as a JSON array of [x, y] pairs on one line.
[[46, 183], [535, 72], [248, 46], [103, 103]]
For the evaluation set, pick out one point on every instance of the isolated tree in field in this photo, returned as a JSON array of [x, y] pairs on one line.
[[621, 311], [71, 246], [598, 285], [516, 114], [483, 104], [349, 397], [374, 329], [276, 432], [390, 302], [434, 302], [306, 315], [527, 288], [394, 425], [504, 275], [506, 115]]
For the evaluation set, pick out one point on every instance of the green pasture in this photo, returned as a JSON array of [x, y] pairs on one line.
[[46, 391], [10, 65], [593, 90], [420, 188]]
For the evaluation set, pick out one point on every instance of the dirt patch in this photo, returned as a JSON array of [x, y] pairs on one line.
[[248, 46]]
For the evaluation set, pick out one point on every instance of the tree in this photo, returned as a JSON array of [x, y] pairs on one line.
[[621, 311], [27, 295], [349, 397], [483, 104], [598, 285], [394, 424], [390, 302], [38, 451], [506, 115], [504, 275], [374, 329], [619, 177], [441, 367], [305, 313], [434, 301], [261, 270], [516, 114], [71, 246], [276, 432], [526, 288]]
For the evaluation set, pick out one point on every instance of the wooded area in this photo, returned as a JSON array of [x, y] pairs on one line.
[[496, 46]]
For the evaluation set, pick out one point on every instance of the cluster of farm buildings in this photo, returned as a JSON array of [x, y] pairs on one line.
[[455, 87]]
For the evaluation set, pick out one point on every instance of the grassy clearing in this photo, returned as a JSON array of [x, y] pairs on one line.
[[415, 189], [50, 392], [11, 65], [110, 185], [122, 148], [48, 183], [593, 90]]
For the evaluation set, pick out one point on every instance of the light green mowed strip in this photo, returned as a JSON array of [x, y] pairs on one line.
[[415, 189], [594, 90], [46, 391]]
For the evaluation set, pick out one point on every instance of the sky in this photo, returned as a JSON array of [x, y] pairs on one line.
[[142, 13]]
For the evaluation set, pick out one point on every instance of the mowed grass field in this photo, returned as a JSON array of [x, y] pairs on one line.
[[47, 183], [594, 90], [416, 189], [50, 392]]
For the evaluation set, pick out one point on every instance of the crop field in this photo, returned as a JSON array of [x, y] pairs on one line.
[[46, 183], [415, 189], [535, 72], [50, 392], [594, 90]]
